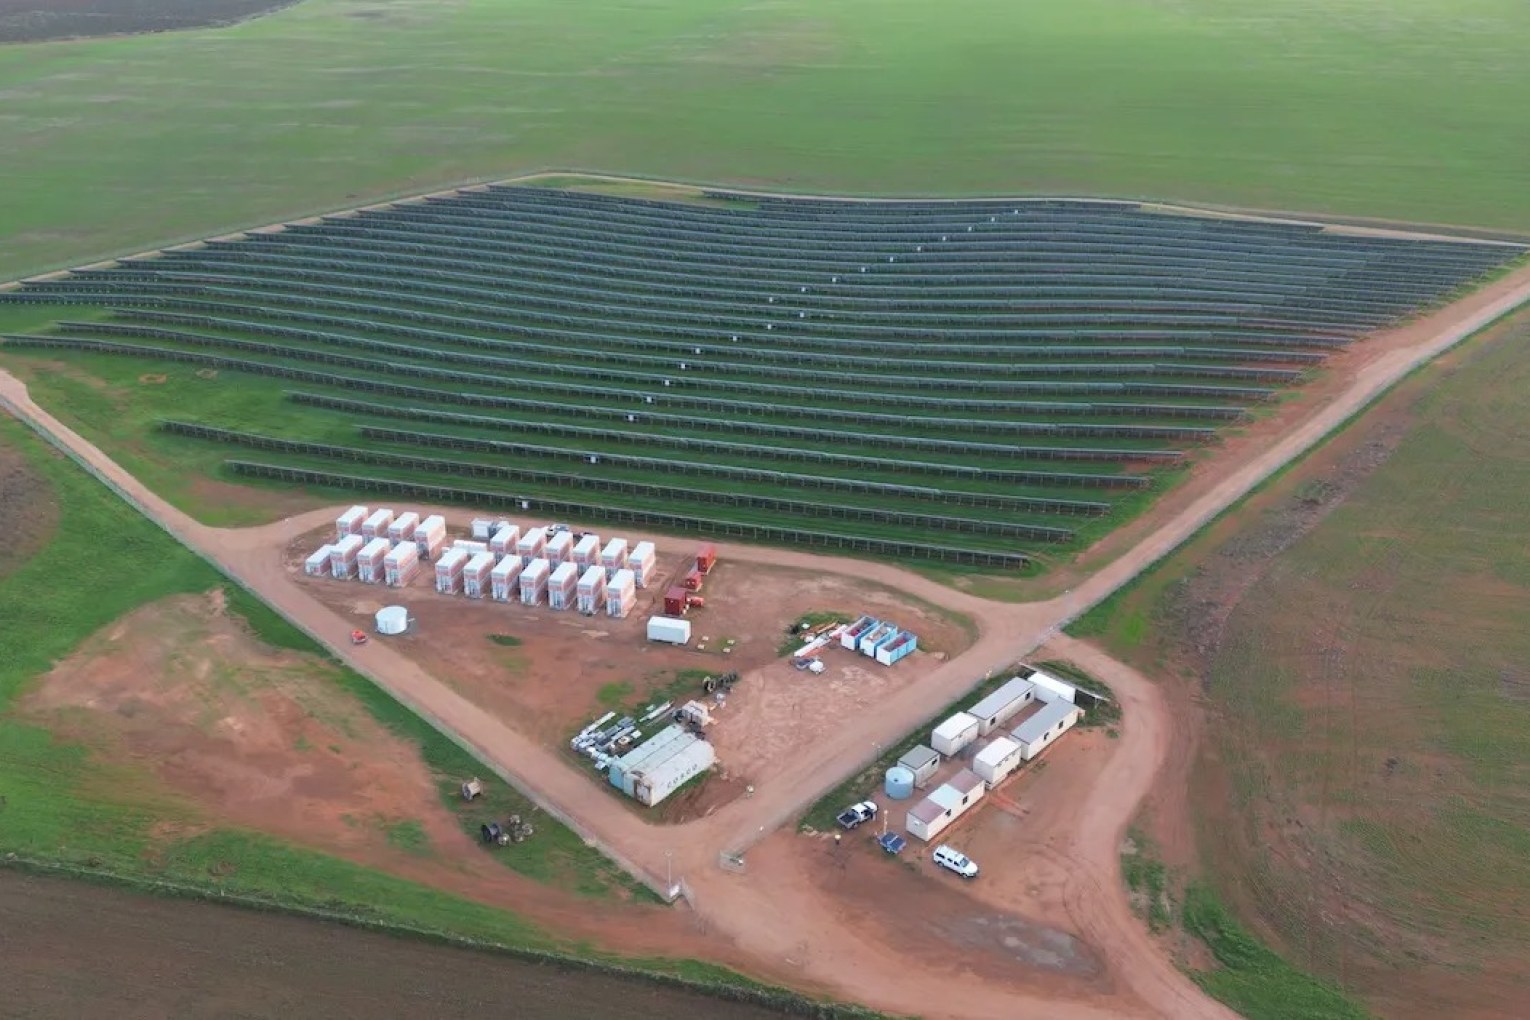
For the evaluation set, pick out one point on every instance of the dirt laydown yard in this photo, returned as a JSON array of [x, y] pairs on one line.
[[1358, 634], [548, 673], [36, 20]]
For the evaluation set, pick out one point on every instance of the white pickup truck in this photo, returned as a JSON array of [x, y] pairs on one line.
[[856, 814]]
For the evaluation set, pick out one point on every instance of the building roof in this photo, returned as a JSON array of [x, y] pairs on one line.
[[946, 796], [959, 723], [1035, 727], [919, 757], [1049, 688], [997, 750], [999, 700], [928, 810], [966, 781]]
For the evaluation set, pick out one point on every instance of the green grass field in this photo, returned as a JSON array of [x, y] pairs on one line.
[[1362, 795], [1407, 109]]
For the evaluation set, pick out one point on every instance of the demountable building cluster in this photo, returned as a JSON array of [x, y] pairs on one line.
[[449, 571], [369, 561], [661, 765], [502, 579], [376, 525], [534, 581], [401, 564], [621, 594], [342, 556], [475, 575], [562, 584], [591, 592], [349, 523]]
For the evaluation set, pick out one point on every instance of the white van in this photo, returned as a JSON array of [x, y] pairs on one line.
[[955, 860]]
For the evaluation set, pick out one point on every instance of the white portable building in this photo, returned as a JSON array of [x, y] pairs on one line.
[[402, 528], [376, 526], [401, 564], [530, 545], [997, 759], [1003, 704], [534, 581], [945, 804], [482, 528], [614, 556], [923, 762], [502, 579], [587, 551], [669, 630], [643, 562], [1049, 688], [449, 571], [953, 735], [621, 594], [349, 523], [342, 556], [430, 536], [1044, 726], [317, 563], [475, 575], [591, 592], [502, 542], [563, 584], [560, 548]]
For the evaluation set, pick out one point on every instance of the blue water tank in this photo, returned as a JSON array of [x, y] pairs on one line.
[[900, 783]]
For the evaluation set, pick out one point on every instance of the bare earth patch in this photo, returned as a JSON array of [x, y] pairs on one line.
[[28, 510], [38, 20]]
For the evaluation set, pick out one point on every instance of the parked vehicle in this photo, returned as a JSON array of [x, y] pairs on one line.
[[358, 637], [892, 842], [954, 860], [856, 814]]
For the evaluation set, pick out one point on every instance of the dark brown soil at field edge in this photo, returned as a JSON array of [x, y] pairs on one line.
[[74, 949], [40, 20]]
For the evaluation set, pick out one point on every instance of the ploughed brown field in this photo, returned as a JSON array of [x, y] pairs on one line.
[[39, 20], [73, 950]]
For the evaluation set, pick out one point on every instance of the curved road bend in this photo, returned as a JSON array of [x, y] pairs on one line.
[[1007, 633]]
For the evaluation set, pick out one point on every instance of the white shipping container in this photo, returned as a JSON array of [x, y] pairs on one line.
[[449, 571], [643, 562], [475, 575], [430, 536], [534, 581], [376, 526], [369, 562], [562, 585], [402, 528], [503, 578], [531, 545], [614, 556], [349, 523], [591, 593], [502, 542], [560, 548], [317, 563], [587, 551], [483, 528], [342, 556], [401, 564], [669, 630]]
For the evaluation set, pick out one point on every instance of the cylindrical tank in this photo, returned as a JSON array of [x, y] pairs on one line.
[[900, 783]]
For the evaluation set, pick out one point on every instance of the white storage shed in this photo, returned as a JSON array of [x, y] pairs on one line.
[[945, 804], [997, 759], [923, 762], [1003, 704], [1042, 727], [952, 736]]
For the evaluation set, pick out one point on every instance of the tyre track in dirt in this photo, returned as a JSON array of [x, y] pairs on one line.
[[736, 907]]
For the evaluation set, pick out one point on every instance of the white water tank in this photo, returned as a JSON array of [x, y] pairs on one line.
[[392, 620]]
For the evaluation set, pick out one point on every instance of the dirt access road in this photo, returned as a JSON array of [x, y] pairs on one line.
[[781, 923]]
